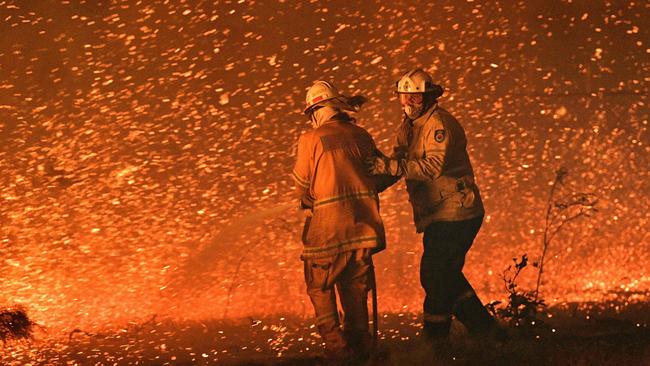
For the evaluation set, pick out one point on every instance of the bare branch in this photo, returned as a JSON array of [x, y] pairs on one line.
[[566, 221], [558, 214]]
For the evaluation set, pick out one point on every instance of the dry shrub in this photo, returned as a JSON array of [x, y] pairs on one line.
[[15, 325]]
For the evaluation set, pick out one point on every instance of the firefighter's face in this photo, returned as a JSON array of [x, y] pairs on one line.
[[412, 104]]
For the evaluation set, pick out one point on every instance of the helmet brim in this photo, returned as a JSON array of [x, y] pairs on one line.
[[307, 110], [340, 102], [437, 91]]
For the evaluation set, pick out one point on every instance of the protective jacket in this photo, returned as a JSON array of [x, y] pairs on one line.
[[439, 178], [331, 180]]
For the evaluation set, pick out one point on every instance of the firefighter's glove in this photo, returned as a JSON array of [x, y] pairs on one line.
[[383, 165]]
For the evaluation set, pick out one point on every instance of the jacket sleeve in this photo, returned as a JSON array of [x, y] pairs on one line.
[[436, 140], [302, 172], [385, 181]]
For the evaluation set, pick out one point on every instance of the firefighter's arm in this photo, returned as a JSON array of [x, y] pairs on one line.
[[385, 181], [425, 168], [302, 173], [436, 141]]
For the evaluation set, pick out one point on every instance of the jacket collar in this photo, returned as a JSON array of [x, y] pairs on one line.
[[341, 117], [425, 116]]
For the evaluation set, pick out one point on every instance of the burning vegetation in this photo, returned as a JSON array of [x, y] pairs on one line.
[[15, 325]]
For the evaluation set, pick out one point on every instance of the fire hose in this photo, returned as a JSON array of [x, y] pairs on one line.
[[375, 323]]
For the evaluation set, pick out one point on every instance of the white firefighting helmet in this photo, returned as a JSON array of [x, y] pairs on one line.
[[418, 81], [318, 93]]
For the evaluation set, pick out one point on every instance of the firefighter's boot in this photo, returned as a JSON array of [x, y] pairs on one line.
[[435, 334], [479, 323]]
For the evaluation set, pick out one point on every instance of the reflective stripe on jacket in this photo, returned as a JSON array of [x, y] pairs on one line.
[[332, 181], [439, 176]]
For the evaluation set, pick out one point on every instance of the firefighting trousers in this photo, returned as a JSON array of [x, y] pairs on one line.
[[349, 274], [441, 275]]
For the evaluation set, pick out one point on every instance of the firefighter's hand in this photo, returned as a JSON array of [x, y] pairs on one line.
[[376, 165], [382, 165]]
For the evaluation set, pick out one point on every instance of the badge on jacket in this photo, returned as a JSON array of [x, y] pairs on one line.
[[439, 135]]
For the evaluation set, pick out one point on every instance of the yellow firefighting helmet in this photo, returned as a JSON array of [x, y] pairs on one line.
[[418, 81], [318, 93]]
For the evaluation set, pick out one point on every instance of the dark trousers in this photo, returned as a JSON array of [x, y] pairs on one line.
[[441, 274]]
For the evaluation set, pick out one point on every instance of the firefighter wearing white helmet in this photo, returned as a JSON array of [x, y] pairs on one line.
[[323, 94], [343, 226], [431, 154], [413, 84]]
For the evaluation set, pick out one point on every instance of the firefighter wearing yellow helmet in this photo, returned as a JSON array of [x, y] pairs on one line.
[[343, 226], [431, 154]]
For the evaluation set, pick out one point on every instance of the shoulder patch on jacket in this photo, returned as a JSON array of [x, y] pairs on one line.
[[440, 135]]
